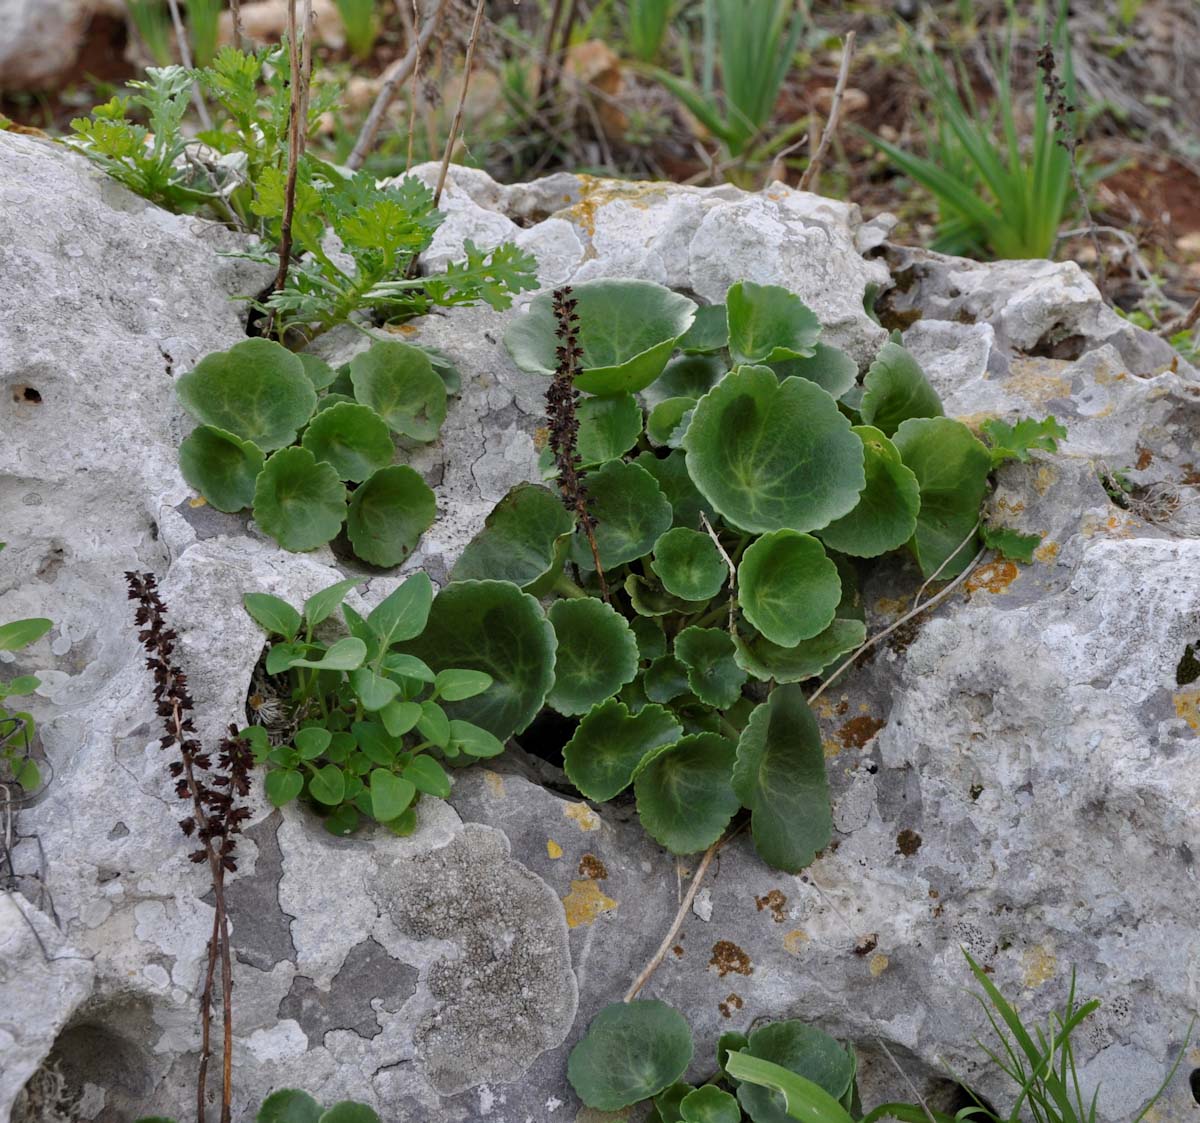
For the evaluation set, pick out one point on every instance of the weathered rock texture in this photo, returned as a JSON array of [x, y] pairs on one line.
[[1013, 774]]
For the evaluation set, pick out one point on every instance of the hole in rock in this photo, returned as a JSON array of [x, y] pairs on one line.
[[102, 1049], [1068, 348], [547, 735], [27, 395], [1188, 670], [1194, 1081]]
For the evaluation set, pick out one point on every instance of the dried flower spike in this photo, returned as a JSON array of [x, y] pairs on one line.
[[562, 398]]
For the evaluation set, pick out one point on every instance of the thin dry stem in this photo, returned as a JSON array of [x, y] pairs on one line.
[[392, 79], [858, 652], [644, 976], [1185, 322], [456, 124], [239, 35], [185, 56], [732, 572], [297, 133], [835, 109]]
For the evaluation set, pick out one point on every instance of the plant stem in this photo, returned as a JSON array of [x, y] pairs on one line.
[[185, 56], [565, 587], [239, 37], [456, 124], [393, 77], [835, 108]]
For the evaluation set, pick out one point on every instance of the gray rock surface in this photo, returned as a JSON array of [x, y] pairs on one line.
[[1011, 774], [40, 42]]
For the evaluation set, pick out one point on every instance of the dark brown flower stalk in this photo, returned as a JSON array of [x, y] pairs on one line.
[[1061, 110], [215, 819], [561, 400]]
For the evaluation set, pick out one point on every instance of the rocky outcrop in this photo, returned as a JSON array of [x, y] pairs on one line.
[[1012, 773]]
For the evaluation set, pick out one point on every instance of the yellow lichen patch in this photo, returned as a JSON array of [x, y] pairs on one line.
[[495, 783], [1038, 966], [1003, 504], [199, 501], [878, 964], [1187, 706], [1046, 552], [400, 329], [1036, 382], [541, 437], [1046, 478], [831, 747], [553, 850], [891, 606], [794, 941], [585, 902], [582, 816], [995, 577]]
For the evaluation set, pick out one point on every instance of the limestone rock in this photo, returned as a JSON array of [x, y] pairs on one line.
[[1011, 773], [40, 42]]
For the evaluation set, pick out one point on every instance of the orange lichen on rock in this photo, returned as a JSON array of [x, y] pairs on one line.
[[585, 902], [995, 577]]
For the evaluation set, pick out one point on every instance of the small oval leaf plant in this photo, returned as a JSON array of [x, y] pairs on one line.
[[722, 490], [362, 727], [310, 449]]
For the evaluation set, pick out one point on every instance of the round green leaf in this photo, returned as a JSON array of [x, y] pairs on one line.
[[399, 383], [289, 1106], [630, 511], [520, 539], [491, 626], [896, 389], [799, 1048], [688, 564], [353, 438], [21, 633], [709, 331], [319, 372], [454, 685], [328, 785], [631, 1051], [651, 640], [388, 515], [610, 742], [665, 679], [780, 778], [648, 598], [474, 741], [399, 717], [666, 423], [328, 401], [787, 587], [282, 786], [667, 1102], [830, 368], [221, 466], [312, 742], [713, 673], [426, 775], [256, 390], [684, 797], [768, 324], [298, 501], [770, 454], [689, 376], [608, 427], [671, 474], [766, 660], [710, 1105], [350, 1112], [886, 515], [952, 468], [627, 331], [372, 690], [597, 654], [390, 795], [347, 654]]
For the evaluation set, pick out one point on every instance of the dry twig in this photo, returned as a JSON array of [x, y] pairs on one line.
[[462, 101], [835, 109], [732, 572], [300, 63], [185, 56], [239, 36], [392, 79]]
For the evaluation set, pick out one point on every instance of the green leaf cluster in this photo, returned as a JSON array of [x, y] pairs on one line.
[[310, 448], [289, 1105], [741, 477], [638, 1051], [238, 172], [17, 726], [366, 728]]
